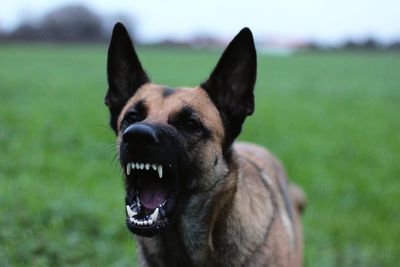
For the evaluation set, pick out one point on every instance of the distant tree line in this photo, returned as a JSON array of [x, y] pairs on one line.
[[370, 44], [73, 23], [365, 45]]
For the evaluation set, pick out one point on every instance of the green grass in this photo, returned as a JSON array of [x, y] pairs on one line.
[[333, 119]]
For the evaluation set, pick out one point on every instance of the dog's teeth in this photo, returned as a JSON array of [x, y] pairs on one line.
[[147, 166], [130, 212], [128, 168], [154, 215], [159, 169], [137, 166], [154, 166], [150, 221], [141, 166], [133, 166]]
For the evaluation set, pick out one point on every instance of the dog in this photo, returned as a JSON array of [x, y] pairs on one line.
[[193, 196]]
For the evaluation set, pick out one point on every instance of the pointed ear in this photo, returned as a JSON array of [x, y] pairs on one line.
[[230, 86], [124, 71]]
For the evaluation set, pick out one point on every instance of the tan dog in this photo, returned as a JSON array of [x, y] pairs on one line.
[[193, 197]]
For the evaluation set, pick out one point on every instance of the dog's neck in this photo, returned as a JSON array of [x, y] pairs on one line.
[[166, 249]]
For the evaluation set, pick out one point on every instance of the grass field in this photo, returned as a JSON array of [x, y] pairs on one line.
[[333, 119]]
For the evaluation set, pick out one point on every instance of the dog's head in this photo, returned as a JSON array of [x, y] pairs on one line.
[[174, 143]]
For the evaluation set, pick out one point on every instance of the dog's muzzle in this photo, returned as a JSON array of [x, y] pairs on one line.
[[147, 157]]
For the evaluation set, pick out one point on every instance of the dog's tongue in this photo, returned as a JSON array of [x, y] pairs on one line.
[[152, 193]]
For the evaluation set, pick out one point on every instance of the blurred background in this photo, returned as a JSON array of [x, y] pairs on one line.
[[282, 26], [327, 104]]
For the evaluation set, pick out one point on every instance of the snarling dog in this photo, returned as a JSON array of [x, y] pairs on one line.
[[193, 196]]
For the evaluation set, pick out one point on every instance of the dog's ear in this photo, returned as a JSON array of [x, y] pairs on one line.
[[124, 71], [230, 85]]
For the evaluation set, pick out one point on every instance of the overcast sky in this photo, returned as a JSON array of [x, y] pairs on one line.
[[321, 20]]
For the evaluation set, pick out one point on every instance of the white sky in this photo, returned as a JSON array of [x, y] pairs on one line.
[[321, 20]]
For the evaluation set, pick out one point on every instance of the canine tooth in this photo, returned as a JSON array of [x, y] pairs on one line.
[[154, 215], [147, 166], [128, 168], [154, 166], [130, 212], [162, 212], [159, 169]]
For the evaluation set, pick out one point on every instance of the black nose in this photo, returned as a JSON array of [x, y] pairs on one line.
[[140, 134]]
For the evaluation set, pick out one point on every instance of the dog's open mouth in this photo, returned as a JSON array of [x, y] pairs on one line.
[[151, 197]]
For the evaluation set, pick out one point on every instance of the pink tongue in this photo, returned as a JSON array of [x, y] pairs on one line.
[[152, 193]]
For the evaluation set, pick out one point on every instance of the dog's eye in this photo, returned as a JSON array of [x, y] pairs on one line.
[[187, 120], [130, 118], [133, 117], [192, 124]]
